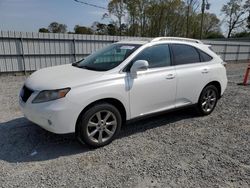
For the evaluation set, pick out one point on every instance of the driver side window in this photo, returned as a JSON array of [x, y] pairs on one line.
[[157, 56]]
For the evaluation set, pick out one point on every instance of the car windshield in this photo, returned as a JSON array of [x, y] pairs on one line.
[[108, 57]]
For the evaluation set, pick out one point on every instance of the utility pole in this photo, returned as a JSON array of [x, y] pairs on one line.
[[188, 11], [189, 7], [120, 20], [202, 17], [204, 5]]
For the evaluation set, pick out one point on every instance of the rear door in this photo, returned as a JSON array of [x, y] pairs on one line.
[[192, 73]]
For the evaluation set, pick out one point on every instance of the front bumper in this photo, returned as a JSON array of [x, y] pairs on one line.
[[56, 116]]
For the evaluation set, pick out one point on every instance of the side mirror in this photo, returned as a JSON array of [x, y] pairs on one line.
[[139, 65]]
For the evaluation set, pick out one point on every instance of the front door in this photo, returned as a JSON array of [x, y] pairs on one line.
[[153, 90]]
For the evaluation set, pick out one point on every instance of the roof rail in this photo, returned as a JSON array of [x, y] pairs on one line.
[[176, 38], [145, 39]]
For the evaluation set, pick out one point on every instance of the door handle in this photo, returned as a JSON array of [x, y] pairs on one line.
[[170, 76], [205, 70]]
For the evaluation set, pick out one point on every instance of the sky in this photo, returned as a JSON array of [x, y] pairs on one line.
[[30, 15]]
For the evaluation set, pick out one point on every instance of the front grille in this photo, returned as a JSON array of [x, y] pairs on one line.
[[26, 93]]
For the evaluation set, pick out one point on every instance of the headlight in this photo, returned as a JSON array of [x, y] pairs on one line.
[[49, 95]]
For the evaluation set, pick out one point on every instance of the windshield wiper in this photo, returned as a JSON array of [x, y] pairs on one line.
[[89, 68], [75, 64]]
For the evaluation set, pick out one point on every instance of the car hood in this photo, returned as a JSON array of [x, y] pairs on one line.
[[61, 76]]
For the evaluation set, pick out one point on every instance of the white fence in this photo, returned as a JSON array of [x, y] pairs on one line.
[[25, 51]]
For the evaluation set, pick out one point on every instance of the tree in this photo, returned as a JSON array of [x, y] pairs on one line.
[[156, 17], [234, 12], [192, 6], [107, 29], [211, 24], [112, 29], [153, 18], [214, 35], [43, 30], [243, 34], [82, 30], [99, 28], [132, 16], [248, 21], [55, 27], [247, 7], [117, 8]]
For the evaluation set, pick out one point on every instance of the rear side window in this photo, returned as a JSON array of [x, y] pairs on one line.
[[185, 54], [204, 56], [157, 56]]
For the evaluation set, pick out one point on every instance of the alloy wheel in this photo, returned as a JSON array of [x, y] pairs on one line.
[[209, 100], [101, 126]]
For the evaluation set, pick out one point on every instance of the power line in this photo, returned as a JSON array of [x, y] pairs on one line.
[[92, 5]]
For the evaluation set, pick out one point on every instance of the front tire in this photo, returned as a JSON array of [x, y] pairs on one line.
[[208, 100], [99, 125]]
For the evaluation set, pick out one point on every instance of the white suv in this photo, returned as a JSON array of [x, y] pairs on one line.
[[126, 80]]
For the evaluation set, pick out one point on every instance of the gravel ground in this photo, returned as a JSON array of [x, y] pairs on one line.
[[177, 149]]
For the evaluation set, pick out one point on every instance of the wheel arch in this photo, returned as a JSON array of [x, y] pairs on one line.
[[115, 102], [216, 84]]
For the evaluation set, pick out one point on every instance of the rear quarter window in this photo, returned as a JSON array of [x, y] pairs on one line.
[[204, 56], [185, 54]]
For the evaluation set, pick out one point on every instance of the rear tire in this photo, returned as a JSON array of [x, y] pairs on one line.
[[99, 125], [208, 100]]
